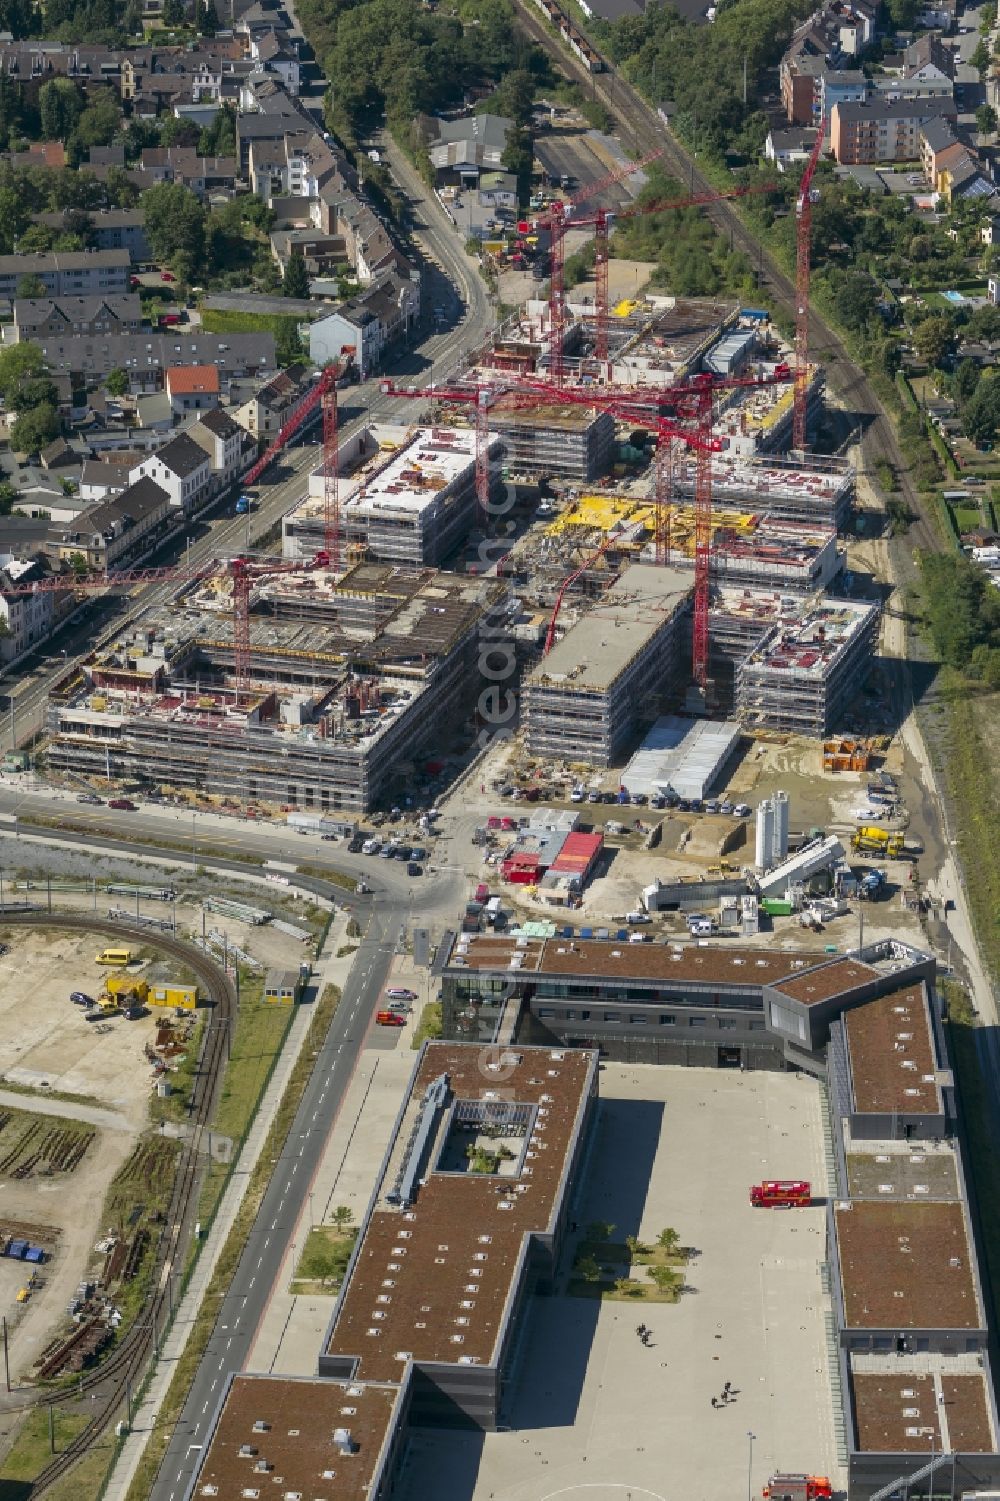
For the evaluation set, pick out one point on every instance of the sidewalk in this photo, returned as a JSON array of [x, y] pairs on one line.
[[291, 1330], [331, 971]]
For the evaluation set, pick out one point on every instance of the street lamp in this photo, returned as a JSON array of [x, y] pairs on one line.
[[750, 1437]]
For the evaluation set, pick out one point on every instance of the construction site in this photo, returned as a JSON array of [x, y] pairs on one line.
[[350, 678]]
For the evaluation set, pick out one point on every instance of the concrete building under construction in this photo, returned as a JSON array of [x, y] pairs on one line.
[[408, 498], [614, 670], [349, 682], [805, 670]]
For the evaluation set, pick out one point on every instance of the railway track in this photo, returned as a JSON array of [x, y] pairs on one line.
[[640, 121], [110, 1382]]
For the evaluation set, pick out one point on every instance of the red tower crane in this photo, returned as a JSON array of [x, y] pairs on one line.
[[603, 220], [803, 248], [322, 392], [557, 221]]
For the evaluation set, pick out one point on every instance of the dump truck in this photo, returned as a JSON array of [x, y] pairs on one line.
[[797, 1488], [781, 1194], [873, 840]]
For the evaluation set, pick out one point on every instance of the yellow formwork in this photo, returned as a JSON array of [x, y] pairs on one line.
[[601, 513], [626, 307]]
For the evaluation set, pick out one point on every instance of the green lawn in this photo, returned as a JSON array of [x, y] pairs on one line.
[[31, 1451], [324, 1260], [430, 1025], [219, 321]]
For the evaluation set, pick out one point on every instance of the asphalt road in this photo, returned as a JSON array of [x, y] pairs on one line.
[[244, 1303]]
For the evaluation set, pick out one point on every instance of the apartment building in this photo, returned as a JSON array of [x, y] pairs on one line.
[[876, 130], [77, 273], [37, 318]]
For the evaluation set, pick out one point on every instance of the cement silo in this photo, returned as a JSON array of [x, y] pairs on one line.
[[780, 846], [765, 834]]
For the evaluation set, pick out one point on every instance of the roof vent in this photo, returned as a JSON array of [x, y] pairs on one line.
[[344, 1442]]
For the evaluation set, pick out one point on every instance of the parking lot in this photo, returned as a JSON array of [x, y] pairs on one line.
[[595, 1412]]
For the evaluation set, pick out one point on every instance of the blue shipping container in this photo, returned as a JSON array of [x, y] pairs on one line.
[[17, 1249], [34, 1253]]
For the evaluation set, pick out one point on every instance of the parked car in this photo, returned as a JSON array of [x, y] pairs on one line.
[[389, 1019], [637, 919], [89, 797], [594, 797], [167, 276], [399, 1008], [122, 804], [414, 868], [577, 795], [79, 999], [400, 993]]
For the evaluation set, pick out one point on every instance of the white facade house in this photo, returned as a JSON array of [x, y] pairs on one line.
[[222, 440], [181, 467], [27, 618]]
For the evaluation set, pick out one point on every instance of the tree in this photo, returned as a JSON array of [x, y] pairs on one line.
[[342, 1217], [117, 383], [36, 391], [31, 286], [60, 105], [966, 380], [38, 239], [933, 338], [588, 1268], [855, 298], [296, 281], [981, 414], [519, 157], [99, 121], [175, 222], [665, 1278], [206, 20], [19, 362], [599, 1230], [669, 1241], [173, 13], [986, 119], [980, 58], [513, 97], [33, 430]]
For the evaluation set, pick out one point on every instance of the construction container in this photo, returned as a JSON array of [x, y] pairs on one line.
[[185, 997], [775, 907], [120, 985], [163, 1087], [34, 1253], [16, 1249]]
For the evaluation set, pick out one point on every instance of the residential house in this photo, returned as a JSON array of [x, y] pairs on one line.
[[929, 57], [367, 325], [146, 357], [268, 408], [37, 318], [993, 290], [192, 388], [110, 229], [939, 13], [882, 130], [223, 440], [989, 232], [324, 254], [106, 476], [789, 148], [182, 468], [277, 53], [831, 37], [465, 148], [182, 164], [27, 617], [950, 168], [121, 529], [75, 273], [270, 125], [29, 64], [841, 86]]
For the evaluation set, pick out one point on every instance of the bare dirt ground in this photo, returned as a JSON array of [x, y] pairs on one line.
[[72, 1204], [44, 1040]]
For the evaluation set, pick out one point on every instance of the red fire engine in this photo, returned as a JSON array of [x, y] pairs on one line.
[[797, 1488], [781, 1195]]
